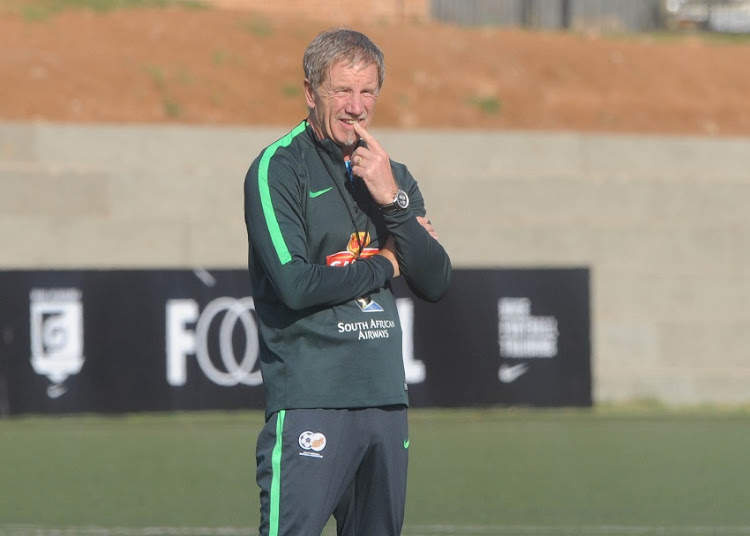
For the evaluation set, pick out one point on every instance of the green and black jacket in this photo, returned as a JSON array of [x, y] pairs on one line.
[[328, 323]]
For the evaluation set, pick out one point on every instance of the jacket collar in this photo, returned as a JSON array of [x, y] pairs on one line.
[[327, 145]]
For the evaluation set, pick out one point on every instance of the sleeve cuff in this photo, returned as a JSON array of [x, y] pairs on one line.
[[385, 264]]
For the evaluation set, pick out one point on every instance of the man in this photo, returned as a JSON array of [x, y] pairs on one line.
[[330, 221]]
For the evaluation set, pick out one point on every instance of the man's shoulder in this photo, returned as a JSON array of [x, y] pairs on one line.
[[291, 143], [287, 151]]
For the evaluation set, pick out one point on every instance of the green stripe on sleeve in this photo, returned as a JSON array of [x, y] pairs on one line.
[[265, 194], [275, 499]]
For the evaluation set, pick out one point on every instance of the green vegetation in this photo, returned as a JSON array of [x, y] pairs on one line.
[[291, 90], [487, 105], [727, 38], [172, 108], [157, 76], [220, 57], [39, 10], [257, 26], [677, 36], [643, 470]]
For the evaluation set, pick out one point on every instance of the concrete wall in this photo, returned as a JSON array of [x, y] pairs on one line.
[[662, 222]]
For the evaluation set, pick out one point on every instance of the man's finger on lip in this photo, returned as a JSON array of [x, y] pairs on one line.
[[362, 132]]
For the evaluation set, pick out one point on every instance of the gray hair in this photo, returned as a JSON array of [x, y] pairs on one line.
[[340, 44]]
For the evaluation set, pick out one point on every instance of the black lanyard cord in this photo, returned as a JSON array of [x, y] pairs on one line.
[[334, 174]]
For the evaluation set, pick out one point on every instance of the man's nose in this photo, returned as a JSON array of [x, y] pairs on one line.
[[355, 105]]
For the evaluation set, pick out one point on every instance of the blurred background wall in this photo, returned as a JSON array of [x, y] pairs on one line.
[[661, 222]]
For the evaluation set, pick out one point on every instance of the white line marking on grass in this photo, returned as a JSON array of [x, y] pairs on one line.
[[409, 530], [37, 530], [557, 530]]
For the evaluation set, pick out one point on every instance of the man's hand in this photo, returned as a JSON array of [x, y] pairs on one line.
[[427, 224], [389, 252], [373, 166]]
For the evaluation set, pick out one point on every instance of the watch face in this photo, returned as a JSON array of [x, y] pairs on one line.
[[402, 200]]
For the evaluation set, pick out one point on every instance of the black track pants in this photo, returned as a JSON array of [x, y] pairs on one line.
[[314, 463]]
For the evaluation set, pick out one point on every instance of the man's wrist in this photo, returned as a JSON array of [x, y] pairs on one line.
[[392, 262], [400, 202]]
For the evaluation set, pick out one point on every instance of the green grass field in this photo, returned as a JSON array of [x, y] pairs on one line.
[[472, 472]]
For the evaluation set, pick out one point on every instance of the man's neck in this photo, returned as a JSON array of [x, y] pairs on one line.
[[346, 150]]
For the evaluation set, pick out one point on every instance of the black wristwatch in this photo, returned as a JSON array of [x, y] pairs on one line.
[[400, 202]]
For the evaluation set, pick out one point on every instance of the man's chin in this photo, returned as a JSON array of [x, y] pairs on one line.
[[347, 141]]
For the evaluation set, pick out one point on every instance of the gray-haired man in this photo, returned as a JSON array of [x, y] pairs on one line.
[[331, 219]]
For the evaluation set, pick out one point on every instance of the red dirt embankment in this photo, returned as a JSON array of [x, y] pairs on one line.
[[214, 66]]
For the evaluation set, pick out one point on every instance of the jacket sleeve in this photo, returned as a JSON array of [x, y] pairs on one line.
[[424, 263], [278, 245]]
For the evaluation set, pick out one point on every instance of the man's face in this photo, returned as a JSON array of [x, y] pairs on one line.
[[345, 97]]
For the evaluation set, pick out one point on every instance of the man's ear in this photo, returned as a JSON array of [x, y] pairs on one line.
[[309, 94]]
